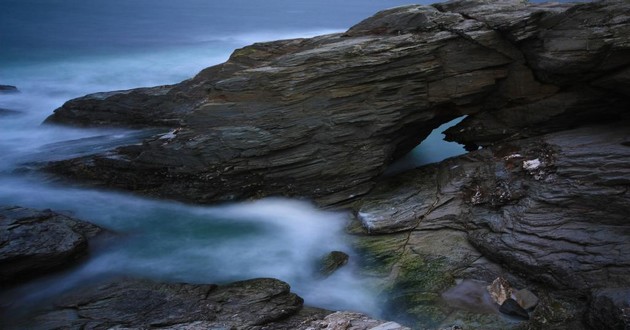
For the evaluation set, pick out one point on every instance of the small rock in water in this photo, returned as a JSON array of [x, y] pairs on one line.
[[331, 262], [7, 89], [500, 290], [526, 298], [512, 308]]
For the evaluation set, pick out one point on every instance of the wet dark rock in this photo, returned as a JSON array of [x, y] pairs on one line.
[[535, 211], [34, 242], [609, 309], [322, 117], [8, 89], [512, 308], [331, 262], [136, 303]]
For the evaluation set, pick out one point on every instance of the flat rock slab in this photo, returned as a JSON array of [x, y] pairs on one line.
[[138, 303], [34, 242]]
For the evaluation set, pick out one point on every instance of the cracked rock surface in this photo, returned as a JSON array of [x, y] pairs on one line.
[[136, 303], [560, 226], [127, 303], [322, 117], [34, 242]]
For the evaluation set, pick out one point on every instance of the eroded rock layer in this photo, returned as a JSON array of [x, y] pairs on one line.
[[549, 212], [322, 117]]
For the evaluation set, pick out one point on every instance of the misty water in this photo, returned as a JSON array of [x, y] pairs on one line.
[[55, 50]]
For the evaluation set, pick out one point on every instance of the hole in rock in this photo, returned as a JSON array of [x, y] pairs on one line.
[[432, 150]]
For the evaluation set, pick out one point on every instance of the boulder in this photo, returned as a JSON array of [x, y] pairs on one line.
[[34, 242], [138, 303], [322, 117]]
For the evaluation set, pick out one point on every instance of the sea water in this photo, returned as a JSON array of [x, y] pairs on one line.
[[55, 50]]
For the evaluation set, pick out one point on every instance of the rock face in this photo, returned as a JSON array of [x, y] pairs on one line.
[[256, 304], [133, 303], [322, 117], [610, 309], [549, 212], [33, 242]]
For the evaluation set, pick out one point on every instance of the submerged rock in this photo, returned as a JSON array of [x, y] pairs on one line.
[[34, 242], [322, 117], [8, 112]]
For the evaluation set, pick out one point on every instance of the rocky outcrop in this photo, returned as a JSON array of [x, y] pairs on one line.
[[322, 117], [33, 242], [255, 304], [548, 213], [134, 303]]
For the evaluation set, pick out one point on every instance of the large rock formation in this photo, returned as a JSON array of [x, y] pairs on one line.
[[544, 204], [549, 212], [132, 303], [34, 242], [255, 304], [322, 117]]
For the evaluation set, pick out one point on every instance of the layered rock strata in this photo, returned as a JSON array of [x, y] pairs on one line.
[[322, 117], [549, 212], [129, 303], [34, 242]]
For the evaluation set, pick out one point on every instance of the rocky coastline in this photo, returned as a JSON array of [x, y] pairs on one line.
[[539, 204]]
